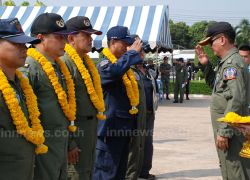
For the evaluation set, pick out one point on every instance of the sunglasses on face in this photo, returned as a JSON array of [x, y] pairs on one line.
[[214, 39]]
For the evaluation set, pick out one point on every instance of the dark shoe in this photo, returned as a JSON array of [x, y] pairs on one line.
[[148, 177], [181, 101], [175, 101], [167, 98], [187, 98]]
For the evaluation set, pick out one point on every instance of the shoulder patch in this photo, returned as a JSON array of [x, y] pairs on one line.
[[103, 63], [230, 73]]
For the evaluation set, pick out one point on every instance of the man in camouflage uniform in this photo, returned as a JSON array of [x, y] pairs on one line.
[[17, 155], [49, 28], [229, 82]]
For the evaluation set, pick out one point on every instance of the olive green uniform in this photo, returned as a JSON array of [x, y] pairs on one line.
[[16, 153], [136, 147], [53, 164], [181, 78], [165, 77], [86, 121], [229, 95]]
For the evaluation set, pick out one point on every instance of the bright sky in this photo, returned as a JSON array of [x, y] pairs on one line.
[[189, 11]]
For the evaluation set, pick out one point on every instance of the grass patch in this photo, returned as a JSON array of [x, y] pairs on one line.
[[196, 87]]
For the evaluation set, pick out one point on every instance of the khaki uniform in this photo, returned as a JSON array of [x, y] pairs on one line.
[[136, 148], [16, 153], [53, 164], [229, 95], [86, 121]]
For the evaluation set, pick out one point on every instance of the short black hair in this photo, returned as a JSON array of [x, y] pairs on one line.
[[244, 48], [180, 59], [165, 58]]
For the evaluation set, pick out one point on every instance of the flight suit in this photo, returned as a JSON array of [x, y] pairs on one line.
[[181, 78], [189, 77], [165, 77], [136, 147], [53, 164], [229, 81], [17, 155], [86, 121], [151, 107], [114, 134]]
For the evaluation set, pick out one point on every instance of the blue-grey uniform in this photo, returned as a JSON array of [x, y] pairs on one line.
[[113, 133]]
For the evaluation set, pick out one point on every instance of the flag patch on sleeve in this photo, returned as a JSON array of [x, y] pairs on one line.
[[230, 73]]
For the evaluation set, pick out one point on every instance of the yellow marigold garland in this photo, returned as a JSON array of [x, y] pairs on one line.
[[129, 81], [94, 87], [67, 103], [234, 118], [34, 134]]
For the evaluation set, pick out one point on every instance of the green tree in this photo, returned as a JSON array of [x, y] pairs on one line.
[[243, 33], [179, 34], [9, 3], [25, 3], [197, 32], [39, 3]]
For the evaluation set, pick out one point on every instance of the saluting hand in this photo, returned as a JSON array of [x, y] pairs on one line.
[[202, 56], [137, 45]]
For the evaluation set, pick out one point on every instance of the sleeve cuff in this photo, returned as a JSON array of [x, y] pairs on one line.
[[225, 132]]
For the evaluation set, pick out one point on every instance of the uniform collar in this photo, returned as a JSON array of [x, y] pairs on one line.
[[229, 54]]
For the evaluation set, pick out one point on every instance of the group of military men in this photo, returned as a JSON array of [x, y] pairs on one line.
[[85, 115], [108, 103], [183, 73]]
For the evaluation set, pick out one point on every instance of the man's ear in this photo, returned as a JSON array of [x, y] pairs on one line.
[[40, 36], [70, 38], [223, 40]]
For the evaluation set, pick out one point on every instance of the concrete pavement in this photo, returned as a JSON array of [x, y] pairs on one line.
[[183, 141]]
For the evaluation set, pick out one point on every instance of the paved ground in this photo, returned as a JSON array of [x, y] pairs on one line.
[[183, 142]]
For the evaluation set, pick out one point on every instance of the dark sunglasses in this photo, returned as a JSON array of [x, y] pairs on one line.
[[214, 39]]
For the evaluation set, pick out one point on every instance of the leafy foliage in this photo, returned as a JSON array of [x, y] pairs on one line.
[[9, 3], [39, 3], [179, 34], [25, 3], [243, 33]]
